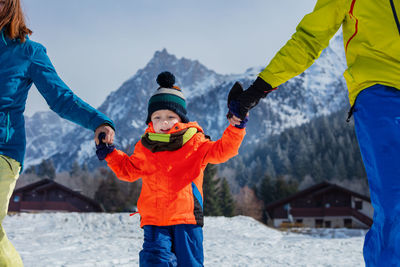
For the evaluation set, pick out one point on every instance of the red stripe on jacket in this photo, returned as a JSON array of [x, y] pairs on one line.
[[356, 27]]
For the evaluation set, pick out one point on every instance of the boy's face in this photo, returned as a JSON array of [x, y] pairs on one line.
[[163, 120]]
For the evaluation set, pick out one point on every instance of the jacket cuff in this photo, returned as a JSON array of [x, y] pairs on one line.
[[269, 78], [109, 158], [236, 130], [107, 123], [262, 86]]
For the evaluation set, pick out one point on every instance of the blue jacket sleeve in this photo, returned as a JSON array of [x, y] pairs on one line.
[[59, 97]]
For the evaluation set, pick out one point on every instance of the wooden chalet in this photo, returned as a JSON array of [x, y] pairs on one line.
[[323, 205], [47, 195]]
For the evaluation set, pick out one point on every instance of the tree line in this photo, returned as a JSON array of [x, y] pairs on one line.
[[325, 149], [117, 196]]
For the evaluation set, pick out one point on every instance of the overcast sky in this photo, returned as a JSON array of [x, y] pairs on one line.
[[96, 45]]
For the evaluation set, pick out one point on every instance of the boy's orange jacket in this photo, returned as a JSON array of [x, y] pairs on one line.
[[172, 181]]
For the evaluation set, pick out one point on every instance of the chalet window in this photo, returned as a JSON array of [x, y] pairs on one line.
[[358, 205], [318, 223], [328, 224], [348, 223], [33, 194]]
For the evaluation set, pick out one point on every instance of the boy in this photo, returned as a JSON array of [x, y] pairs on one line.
[[171, 158]]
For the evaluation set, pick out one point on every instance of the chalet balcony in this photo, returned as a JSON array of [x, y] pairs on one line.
[[331, 212]]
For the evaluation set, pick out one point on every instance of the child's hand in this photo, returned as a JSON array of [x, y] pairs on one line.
[[235, 121], [103, 149], [108, 136], [235, 109]]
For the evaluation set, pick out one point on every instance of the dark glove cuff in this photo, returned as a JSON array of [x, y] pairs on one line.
[[243, 123], [260, 88], [103, 150]]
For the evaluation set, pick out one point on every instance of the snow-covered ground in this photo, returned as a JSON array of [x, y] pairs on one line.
[[101, 239]]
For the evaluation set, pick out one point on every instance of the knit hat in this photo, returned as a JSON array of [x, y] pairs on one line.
[[168, 97]]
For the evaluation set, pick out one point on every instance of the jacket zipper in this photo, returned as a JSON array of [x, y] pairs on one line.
[[8, 127], [395, 15], [2, 36], [350, 113]]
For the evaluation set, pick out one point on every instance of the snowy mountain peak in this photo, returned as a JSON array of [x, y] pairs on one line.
[[191, 76], [161, 59]]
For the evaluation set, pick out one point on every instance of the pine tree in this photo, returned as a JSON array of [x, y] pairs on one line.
[[108, 194], [31, 170], [227, 204], [284, 189], [242, 173], [85, 167], [46, 169], [269, 167], [267, 190], [75, 169], [210, 192], [272, 190]]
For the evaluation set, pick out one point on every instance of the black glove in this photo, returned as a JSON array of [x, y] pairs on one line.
[[103, 149], [233, 103], [240, 102]]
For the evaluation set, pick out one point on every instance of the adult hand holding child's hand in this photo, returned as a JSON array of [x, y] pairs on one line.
[[103, 149]]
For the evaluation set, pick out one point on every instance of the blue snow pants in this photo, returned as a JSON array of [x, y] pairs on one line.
[[176, 245], [377, 124]]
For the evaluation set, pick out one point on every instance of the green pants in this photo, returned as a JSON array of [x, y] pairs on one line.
[[9, 173]]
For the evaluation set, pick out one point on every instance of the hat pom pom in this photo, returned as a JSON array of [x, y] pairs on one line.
[[166, 79]]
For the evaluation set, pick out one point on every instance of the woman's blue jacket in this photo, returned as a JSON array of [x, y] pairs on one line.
[[22, 64]]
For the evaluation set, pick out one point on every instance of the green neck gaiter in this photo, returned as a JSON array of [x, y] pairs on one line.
[[167, 142]]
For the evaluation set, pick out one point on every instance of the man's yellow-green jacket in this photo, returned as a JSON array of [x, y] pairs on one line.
[[371, 33]]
